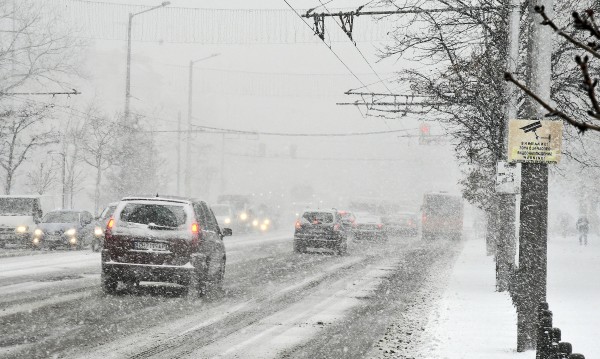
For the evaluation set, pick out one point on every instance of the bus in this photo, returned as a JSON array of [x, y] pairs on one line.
[[442, 216]]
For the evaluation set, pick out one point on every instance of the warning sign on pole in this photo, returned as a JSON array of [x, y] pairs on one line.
[[534, 141]]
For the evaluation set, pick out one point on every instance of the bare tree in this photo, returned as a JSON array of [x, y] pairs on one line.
[[42, 178], [98, 147], [21, 132], [38, 51]]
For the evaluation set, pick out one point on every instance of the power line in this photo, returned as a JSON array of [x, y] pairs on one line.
[[348, 31], [208, 129], [330, 49]]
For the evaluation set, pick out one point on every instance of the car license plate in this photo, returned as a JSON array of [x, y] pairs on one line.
[[151, 246]]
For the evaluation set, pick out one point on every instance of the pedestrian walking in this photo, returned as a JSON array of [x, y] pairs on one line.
[[583, 227]]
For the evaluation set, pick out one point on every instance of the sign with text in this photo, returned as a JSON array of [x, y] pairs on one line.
[[534, 141], [507, 178]]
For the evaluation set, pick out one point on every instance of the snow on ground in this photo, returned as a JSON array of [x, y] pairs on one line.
[[471, 320], [574, 292]]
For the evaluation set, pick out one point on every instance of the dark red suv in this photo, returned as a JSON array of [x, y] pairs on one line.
[[163, 239]]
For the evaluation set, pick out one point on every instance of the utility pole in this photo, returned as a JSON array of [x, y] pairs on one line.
[[506, 241], [188, 157], [128, 75], [179, 153], [188, 137], [533, 233]]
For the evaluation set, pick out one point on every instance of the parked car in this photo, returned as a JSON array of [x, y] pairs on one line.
[[320, 229], [19, 216], [164, 239], [402, 223], [368, 226], [101, 222], [71, 229]]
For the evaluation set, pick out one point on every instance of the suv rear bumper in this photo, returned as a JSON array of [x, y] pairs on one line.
[[151, 272], [309, 241]]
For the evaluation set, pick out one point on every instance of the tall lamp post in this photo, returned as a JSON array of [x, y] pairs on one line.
[[64, 170], [187, 179], [128, 78]]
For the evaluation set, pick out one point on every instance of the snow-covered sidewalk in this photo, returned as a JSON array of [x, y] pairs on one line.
[[472, 320]]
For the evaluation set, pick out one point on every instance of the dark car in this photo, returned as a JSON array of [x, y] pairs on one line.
[[403, 223], [71, 229], [348, 220], [101, 222], [163, 239], [320, 229], [368, 226]]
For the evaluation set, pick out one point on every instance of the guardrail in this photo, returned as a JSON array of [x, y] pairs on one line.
[[549, 344]]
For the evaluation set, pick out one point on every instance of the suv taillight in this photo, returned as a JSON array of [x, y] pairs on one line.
[[380, 225], [298, 224], [336, 227], [195, 234], [109, 227]]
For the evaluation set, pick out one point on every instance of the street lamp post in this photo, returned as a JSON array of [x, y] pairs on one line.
[[64, 172], [128, 77], [187, 179]]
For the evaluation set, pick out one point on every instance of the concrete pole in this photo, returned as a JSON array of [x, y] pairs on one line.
[[506, 251], [178, 153], [533, 231], [128, 76], [188, 157]]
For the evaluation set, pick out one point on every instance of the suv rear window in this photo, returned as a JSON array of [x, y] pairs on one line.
[[160, 215], [318, 217]]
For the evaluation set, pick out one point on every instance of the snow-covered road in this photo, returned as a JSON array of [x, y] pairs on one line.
[[276, 302]]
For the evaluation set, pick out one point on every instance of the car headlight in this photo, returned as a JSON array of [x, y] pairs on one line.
[[98, 232], [22, 229], [263, 227], [244, 216], [227, 220], [267, 222], [38, 232], [255, 222], [71, 232]]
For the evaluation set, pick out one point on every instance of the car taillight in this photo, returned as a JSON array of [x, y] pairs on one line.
[[424, 218], [410, 222], [298, 224], [380, 226], [195, 234], [336, 227], [109, 228]]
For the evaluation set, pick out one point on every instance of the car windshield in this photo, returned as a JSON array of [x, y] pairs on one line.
[[16, 206], [220, 210], [318, 217], [157, 214], [61, 217]]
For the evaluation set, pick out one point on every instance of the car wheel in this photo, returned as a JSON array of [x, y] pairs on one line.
[[343, 248], [95, 245], [298, 248], [109, 283]]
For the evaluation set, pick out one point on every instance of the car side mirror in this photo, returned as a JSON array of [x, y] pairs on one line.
[[226, 232]]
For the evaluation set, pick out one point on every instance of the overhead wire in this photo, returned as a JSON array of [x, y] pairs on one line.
[[329, 47], [286, 134]]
